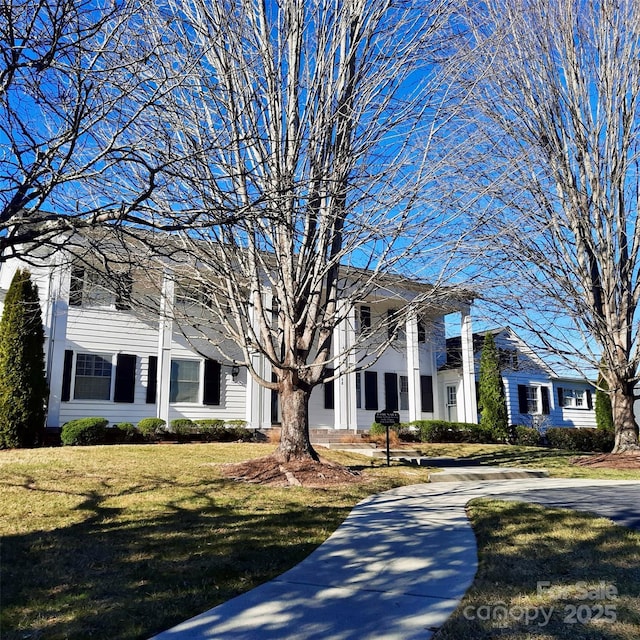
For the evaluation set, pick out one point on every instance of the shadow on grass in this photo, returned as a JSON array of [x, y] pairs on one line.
[[523, 544], [115, 576], [523, 457]]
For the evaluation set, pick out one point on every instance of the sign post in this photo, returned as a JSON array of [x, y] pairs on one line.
[[387, 419]]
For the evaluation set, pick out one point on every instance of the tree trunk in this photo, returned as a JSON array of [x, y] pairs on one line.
[[622, 400], [294, 407]]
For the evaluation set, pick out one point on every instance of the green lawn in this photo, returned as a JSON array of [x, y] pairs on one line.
[[587, 569], [125, 541]]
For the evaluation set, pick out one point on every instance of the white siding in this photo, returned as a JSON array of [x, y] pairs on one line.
[[109, 332]]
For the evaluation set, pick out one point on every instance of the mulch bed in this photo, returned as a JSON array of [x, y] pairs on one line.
[[610, 461], [305, 473]]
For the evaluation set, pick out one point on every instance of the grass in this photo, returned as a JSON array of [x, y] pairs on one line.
[[126, 541], [122, 542], [556, 461], [587, 567]]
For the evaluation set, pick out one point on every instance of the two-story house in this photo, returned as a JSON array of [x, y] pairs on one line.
[[109, 355]]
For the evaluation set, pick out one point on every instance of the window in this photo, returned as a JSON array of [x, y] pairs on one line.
[[358, 390], [426, 393], [89, 288], [452, 403], [533, 399], [508, 359], [93, 377], [574, 398], [185, 381], [422, 332], [404, 393], [365, 318]]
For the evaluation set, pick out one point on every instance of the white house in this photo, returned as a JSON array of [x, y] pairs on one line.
[[106, 358], [535, 394]]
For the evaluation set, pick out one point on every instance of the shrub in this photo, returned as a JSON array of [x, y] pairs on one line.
[[126, 432], [239, 433], [150, 428], [85, 431], [183, 426], [377, 429], [443, 431], [580, 439], [212, 430], [491, 398], [378, 434], [23, 385], [525, 436]]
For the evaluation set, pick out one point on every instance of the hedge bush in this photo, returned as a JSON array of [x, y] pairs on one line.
[[443, 431], [580, 439], [239, 433], [125, 432], [150, 428], [84, 431], [211, 430], [182, 426], [525, 436]]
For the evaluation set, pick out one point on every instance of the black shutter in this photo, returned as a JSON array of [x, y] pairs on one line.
[[560, 397], [66, 376], [124, 288], [371, 390], [152, 380], [545, 400], [391, 391], [589, 399], [76, 286], [523, 405], [426, 393], [365, 318], [125, 385], [212, 370], [329, 401]]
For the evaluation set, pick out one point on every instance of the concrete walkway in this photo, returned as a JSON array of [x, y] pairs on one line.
[[396, 568]]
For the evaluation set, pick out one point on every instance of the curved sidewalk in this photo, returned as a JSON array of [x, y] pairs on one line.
[[396, 568]]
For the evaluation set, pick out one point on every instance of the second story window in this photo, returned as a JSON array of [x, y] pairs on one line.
[[89, 288], [365, 318]]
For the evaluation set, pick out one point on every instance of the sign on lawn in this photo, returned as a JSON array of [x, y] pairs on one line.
[[388, 418]]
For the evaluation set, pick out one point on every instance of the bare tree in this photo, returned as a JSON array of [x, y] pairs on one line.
[[307, 126], [551, 172], [71, 111]]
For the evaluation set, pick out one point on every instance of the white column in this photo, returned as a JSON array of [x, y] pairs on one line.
[[413, 368], [258, 398], [350, 340], [57, 320], [341, 385], [470, 409], [165, 336]]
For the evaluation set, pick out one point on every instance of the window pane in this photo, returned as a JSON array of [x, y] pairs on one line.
[[185, 381], [93, 377], [532, 399], [404, 393]]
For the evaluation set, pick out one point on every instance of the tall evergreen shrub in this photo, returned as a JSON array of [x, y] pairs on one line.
[[604, 412], [491, 402], [23, 385]]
